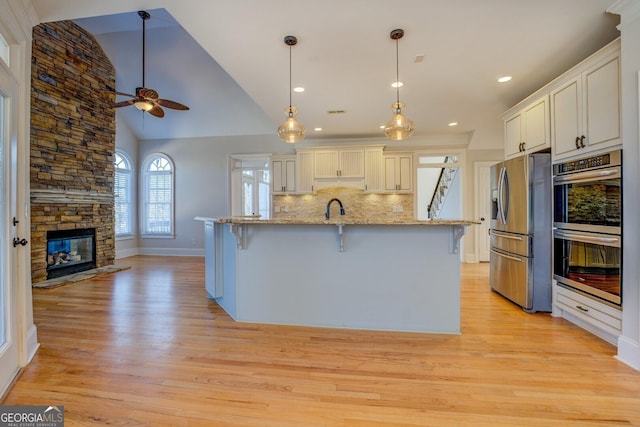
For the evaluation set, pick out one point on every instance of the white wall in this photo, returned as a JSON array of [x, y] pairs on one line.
[[201, 183], [126, 141]]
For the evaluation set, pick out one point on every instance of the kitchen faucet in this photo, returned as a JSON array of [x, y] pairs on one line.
[[326, 215]]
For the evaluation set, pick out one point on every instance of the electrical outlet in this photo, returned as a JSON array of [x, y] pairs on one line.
[[286, 208], [193, 241], [276, 209], [397, 209]]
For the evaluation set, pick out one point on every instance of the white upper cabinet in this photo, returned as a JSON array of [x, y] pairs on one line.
[[283, 174], [373, 170], [304, 172], [585, 110], [398, 172], [527, 130], [343, 163]]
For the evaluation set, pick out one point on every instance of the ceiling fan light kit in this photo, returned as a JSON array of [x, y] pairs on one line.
[[400, 127], [147, 100], [291, 131]]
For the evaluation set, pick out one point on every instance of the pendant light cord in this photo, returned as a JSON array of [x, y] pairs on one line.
[[290, 81], [397, 75]]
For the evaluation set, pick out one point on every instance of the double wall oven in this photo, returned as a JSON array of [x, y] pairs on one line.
[[587, 236]]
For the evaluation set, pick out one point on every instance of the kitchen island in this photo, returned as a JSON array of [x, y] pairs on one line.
[[363, 274]]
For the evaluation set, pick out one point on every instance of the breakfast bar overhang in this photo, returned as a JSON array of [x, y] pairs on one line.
[[379, 275]]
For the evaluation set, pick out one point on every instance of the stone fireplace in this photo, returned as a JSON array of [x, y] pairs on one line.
[[72, 148]]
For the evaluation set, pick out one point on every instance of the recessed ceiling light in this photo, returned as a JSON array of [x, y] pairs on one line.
[[397, 84], [317, 129], [504, 79], [453, 124], [381, 126], [298, 89]]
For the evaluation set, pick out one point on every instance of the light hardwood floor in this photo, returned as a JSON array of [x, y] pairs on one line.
[[145, 347]]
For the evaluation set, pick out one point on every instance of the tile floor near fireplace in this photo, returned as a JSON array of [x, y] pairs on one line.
[[70, 251]]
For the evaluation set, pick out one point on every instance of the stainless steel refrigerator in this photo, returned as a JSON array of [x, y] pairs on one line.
[[520, 231]]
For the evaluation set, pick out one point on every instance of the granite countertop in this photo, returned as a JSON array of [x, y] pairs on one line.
[[345, 220]]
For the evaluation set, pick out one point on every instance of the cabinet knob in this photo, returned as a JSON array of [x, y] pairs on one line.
[[577, 142], [582, 141]]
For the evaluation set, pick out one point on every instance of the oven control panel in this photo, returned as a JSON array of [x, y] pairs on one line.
[[594, 162]]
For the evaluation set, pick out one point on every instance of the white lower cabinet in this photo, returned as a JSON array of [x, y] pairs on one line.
[[596, 317]]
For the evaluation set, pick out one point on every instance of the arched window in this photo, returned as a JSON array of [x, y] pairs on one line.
[[123, 189], [157, 207]]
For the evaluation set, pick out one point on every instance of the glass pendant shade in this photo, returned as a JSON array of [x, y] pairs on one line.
[[291, 131], [399, 127]]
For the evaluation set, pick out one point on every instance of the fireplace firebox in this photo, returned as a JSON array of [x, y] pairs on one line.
[[70, 251]]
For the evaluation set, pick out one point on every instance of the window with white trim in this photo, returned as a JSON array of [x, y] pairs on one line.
[[157, 206], [123, 189]]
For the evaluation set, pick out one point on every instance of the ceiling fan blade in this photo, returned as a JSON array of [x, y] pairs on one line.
[[147, 93], [124, 103], [124, 94], [156, 111], [171, 104]]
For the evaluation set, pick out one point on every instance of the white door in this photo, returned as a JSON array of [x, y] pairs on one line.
[[8, 259], [483, 210]]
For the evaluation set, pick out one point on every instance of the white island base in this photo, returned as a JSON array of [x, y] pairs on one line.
[[399, 277]]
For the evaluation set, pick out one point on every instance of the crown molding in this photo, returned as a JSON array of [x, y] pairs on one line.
[[629, 11]]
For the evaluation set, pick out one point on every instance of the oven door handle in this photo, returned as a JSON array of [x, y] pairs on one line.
[[587, 176], [511, 257], [587, 238]]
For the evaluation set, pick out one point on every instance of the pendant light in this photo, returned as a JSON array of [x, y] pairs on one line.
[[291, 131], [399, 127]]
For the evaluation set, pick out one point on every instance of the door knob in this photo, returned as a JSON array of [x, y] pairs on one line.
[[17, 241]]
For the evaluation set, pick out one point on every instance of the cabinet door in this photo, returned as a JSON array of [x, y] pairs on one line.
[[536, 125], [405, 173], [602, 103], [289, 176], [277, 168], [351, 163], [326, 164], [305, 170], [566, 117], [374, 170], [513, 135], [390, 163]]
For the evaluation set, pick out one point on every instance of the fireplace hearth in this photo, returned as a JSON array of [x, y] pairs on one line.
[[70, 251]]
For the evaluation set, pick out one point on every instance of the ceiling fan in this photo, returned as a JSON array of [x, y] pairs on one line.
[[145, 99]]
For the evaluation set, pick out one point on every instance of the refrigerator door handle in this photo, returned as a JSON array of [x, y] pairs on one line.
[[511, 257], [501, 183]]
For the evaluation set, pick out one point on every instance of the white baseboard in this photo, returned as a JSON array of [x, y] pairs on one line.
[[159, 252], [629, 352], [125, 253], [31, 346], [170, 252]]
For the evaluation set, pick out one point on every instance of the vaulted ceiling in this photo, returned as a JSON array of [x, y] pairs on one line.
[[227, 60]]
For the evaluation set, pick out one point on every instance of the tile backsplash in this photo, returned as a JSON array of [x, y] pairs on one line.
[[356, 203]]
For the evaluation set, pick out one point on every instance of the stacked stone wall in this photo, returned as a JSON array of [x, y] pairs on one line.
[[72, 140]]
